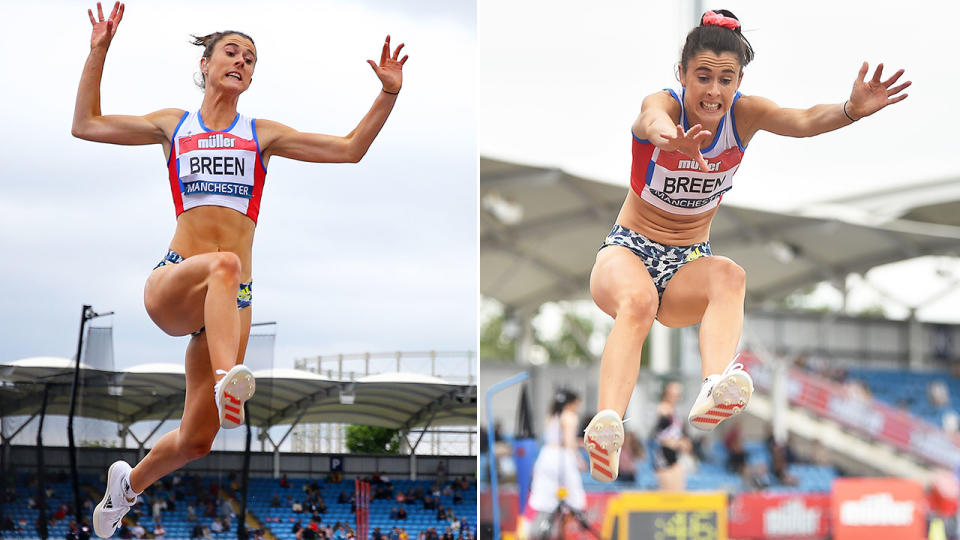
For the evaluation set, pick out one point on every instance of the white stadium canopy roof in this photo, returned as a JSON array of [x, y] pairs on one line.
[[540, 229], [284, 396]]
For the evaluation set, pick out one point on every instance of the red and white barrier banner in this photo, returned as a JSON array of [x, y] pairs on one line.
[[870, 417], [796, 516], [875, 508]]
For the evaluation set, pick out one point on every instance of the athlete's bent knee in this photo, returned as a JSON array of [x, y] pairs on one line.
[[227, 266], [196, 446], [640, 306], [729, 278]]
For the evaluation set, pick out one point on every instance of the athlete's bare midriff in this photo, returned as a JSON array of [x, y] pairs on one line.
[[207, 229], [664, 227]]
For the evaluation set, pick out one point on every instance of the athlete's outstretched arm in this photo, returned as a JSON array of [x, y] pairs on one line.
[[88, 122], [655, 124], [866, 98], [284, 141]]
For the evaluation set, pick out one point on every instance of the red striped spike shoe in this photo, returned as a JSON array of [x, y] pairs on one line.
[[603, 439], [721, 397], [231, 392]]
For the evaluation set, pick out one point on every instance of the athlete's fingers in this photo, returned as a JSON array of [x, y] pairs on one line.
[[898, 89], [876, 74], [897, 99], [893, 79], [692, 132], [113, 12], [703, 163], [92, 20], [396, 53], [119, 17], [100, 11], [404, 59], [863, 72], [373, 65]]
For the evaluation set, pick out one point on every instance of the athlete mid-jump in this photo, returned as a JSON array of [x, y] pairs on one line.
[[656, 263], [217, 162]]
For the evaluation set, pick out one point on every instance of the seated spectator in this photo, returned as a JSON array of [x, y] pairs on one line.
[[448, 535], [376, 534], [441, 513], [429, 503], [297, 507], [159, 532], [401, 498], [197, 531], [275, 502], [393, 513], [457, 497], [342, 498], [296, 527], [216, 527], [191, 513], [402, 513]]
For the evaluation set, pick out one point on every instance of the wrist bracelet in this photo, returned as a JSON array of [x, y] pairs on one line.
[[845, 111], [391, 93]]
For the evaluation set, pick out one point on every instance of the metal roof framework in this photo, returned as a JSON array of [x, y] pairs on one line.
[[540, 229], [284, 396]]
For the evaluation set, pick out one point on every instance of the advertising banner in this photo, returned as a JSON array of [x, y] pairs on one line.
[[794, 516], [873, 508]]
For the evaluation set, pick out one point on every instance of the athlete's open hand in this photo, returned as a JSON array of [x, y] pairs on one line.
[[103, 30], [390, 70], [870, 96], [687, 143]]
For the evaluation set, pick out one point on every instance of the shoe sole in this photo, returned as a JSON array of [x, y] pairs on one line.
[[97, 511], [731, 395], [604, 463], [237, 387]]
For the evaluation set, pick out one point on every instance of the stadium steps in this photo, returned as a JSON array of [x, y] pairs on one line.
[[853, 453], [251, 522]]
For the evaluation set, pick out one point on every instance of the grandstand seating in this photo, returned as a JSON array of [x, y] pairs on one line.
[[278, 520], [902, 388]]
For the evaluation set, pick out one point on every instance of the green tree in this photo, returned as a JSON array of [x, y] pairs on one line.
[[372, 440], [495, 344]]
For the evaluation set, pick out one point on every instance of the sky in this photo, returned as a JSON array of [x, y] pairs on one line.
[[561, 85], [348, 258]]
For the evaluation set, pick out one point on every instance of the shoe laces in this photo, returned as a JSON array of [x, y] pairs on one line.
[[734, 366]]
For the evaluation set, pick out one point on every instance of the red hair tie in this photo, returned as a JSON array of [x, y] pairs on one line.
[[715, 19]]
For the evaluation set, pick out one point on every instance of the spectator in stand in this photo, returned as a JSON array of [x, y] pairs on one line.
[[342, 498], [457, 497], [394, 513], [376, 534], [441, 513], [197, 531], [429, 503], [448, 535], [441, 472], [157, 508], [401, 513], [275, 501], [321, 505], [403, 534], [284, 483], [159, 533], [297, 507], [191, 513], [628, 456], [401, 498], [781, 457]]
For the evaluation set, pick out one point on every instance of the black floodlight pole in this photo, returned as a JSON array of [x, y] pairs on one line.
[[86, 314], [41, 483], [242, 526]]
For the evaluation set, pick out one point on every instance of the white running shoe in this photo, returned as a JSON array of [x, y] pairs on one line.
[[603, 439], [721, 397], [115, 504], [231, 392]]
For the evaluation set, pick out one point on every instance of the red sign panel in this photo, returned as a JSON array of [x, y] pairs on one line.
[[780, 515], [874, 508]]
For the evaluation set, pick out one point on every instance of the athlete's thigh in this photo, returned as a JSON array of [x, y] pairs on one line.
[[246, 316], [618, 273], [174, 293], [685, 298]]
